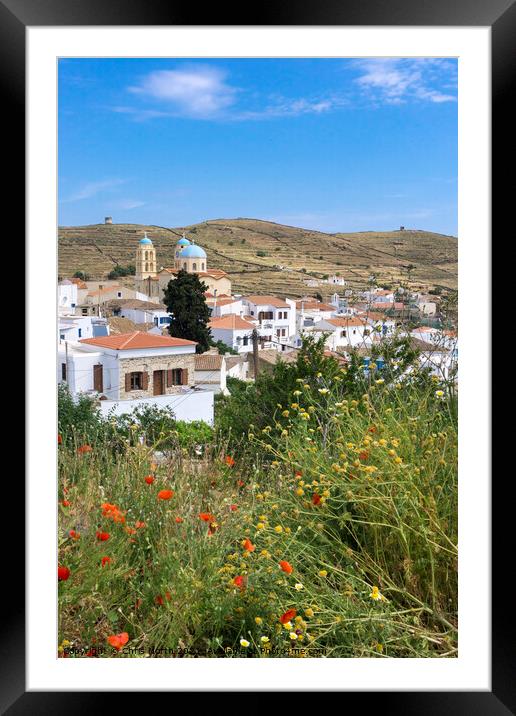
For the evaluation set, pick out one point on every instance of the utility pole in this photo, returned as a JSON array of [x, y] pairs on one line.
[[254, 338], [66, 362]]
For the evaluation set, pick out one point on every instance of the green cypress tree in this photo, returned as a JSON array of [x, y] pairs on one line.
[[185, 301]]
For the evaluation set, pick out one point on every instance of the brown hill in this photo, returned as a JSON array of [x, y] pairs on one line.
[[272, 258]]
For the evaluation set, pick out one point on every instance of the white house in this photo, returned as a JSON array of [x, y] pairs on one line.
[[73, 328], [140, 311], [225, 305], [310, 309], [234, 331], [346, 331], [276, 318], [135, 369], [66, 297]]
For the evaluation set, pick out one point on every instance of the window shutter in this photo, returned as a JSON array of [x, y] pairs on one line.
[[145, 380], [170, 379], [127, 382], [184, 377]]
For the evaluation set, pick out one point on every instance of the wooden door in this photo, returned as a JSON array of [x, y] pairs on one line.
[[98, 380], [158, 387]]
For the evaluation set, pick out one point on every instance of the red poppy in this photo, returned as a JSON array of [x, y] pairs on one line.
[[239, 582], [316, 498], [59, 439], [112, 512], [138, 603], [130, 531], [286, 567], [249, 546], [233, 508], [118, 640], [74, 535], [63, 573], [372, 429], [139, 525], [179, 520], [83, 449], [299, 473], [287, 616], [165, 494], [159, 599], [66, 503], [206, 516], [168, 596], [106, 560], [102, 536], [240, 483], [149, 479], [363, 455], [229, 460]]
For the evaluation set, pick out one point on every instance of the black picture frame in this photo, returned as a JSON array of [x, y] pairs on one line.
[[500, 16]]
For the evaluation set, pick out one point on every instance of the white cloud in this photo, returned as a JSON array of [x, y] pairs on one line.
[[199, 92], [396, 80], [91, 189]]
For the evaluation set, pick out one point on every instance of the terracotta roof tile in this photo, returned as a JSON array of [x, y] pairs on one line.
[[136, 340], [267, 301], [232, 322]]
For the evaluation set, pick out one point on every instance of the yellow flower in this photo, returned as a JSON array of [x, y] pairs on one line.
[[244, 643], [258, 620], [260, 526], [278, 529], [264, 639], [293, 635], [287, 625], [297, 392], [376, 595], [323, 391], [285, 413], [309, 612], [300, 491]]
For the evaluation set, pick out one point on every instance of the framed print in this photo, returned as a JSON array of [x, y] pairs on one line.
[[265, 236]]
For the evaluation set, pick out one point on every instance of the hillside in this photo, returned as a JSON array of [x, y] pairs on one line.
[[292, 255]]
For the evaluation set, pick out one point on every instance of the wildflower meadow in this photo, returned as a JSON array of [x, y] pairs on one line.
[[318, 517]]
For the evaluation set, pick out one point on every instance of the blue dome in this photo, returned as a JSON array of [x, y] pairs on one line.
[[183, 242], [145, 240], [193, 252]]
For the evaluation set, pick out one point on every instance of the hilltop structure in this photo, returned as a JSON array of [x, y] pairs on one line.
[[188, 256]]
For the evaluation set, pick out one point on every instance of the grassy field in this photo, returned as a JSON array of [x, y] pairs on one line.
[[253, 251], [330, 531]]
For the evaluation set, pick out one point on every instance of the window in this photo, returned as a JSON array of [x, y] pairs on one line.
[[73, 305], [343, 334], [79, 331], [246, 340], [367, 332], [62, 336], [119, 294], [175, 376], [63, 371], [194, 267], [203, 267], [136, 381], [84, 311], [283, 332]]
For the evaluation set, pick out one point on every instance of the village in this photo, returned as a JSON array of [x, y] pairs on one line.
[[114, 343]]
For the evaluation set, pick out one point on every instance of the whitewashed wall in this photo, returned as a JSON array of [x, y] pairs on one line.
[[188, 406]]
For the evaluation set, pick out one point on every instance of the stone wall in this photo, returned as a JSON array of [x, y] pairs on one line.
[[149, 365]]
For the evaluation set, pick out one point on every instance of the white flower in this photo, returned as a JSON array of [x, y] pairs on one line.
[[244, 643], [298, 586]]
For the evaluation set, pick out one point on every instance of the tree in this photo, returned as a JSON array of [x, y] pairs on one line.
[[185, 301]]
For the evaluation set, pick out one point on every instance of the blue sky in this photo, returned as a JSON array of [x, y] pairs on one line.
[[327, 144]]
